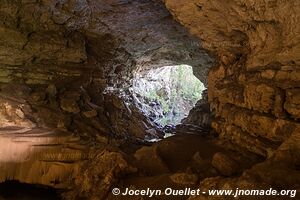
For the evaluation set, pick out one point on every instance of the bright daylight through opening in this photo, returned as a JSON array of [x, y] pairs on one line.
[[167, 94]]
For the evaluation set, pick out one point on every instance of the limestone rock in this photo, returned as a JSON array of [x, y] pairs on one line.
[[200, 163], [254, 73], [277, 170], [184, 178], [90, 114], [11, 114], [69, 103], [93, 46], [292, 105], [224, 164], [69, 106], [149, 160], [259, 97], [103, 171]]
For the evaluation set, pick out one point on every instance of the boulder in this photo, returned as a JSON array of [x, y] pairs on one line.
[[149, 161], [184, 178], [224, 164]]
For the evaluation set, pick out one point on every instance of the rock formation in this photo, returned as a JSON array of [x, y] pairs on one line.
[[61, 55], [66, 66], [253, 88]]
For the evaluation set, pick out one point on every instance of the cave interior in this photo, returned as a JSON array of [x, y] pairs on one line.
[[103, 94]]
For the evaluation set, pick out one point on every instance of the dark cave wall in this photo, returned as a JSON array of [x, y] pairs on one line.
[[57, 58]]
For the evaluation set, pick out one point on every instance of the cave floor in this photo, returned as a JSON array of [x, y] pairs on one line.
[[55, 158], [179, 162]]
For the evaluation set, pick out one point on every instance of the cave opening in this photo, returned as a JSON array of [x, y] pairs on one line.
[[166, 94], [15, 190], [61, 126]]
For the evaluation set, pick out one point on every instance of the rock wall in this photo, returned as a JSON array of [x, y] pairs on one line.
[[46, 40], [254, 88], [57, 58]]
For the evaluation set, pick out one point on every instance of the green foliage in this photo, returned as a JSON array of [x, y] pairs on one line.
[[185, 89], [152, 96], [188, 86]]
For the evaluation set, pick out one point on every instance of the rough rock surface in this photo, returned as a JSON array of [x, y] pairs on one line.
[[280, 171], [44, 41], [104, 170], [253, 88], [200, 115], [57, 59], [64, 54], [184, 178], [58, 62], [224, 164]]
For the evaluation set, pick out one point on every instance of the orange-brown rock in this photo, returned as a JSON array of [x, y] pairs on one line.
[[224, 164], [68, 65], [258, 55]]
